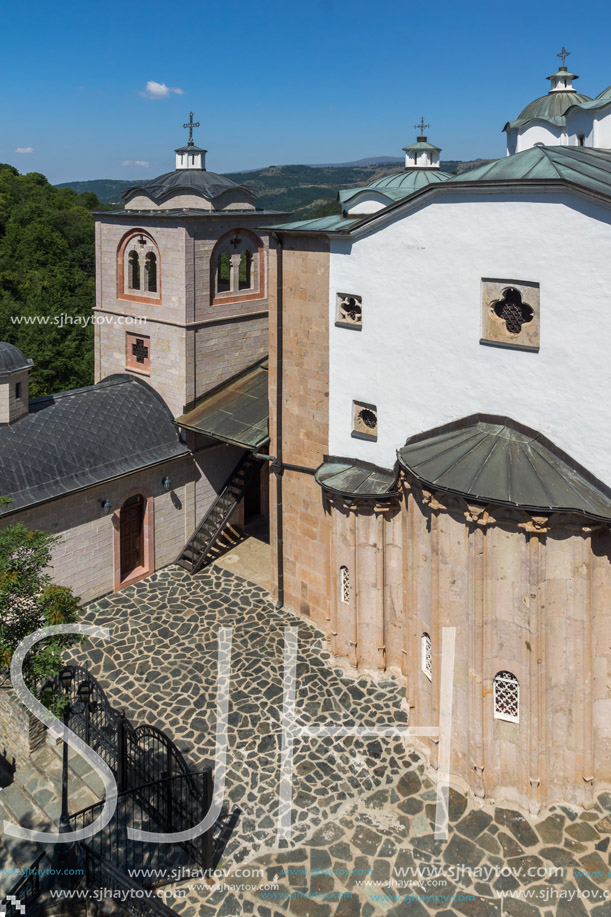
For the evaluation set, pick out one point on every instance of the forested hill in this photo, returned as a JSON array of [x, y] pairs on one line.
[[47, 270], [303, 190]]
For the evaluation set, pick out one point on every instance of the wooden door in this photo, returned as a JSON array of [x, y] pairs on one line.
[[131, 535]]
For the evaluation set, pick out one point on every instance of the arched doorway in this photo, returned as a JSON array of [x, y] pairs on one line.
[[131, 536]]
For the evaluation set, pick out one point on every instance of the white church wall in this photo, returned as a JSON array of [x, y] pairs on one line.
[[418, 358], [538, 132], [602, 128], [368, 203], [580, 122]]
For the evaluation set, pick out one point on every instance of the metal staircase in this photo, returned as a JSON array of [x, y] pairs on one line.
[[200, 547]]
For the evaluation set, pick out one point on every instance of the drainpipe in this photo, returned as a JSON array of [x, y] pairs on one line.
[[276, 465]]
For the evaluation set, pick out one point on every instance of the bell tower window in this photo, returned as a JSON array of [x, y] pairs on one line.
[[223, 273], [134, 271], [138, 268], [246, 259], [150, 272], [237, 267]]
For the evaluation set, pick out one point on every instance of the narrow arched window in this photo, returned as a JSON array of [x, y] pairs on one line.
[[150, 272], [506, 697], [344, 584], [223, 273], [246, 270], [426, 655], [133, 265]]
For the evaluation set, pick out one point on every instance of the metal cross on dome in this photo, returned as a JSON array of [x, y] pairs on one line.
[[421, 126], [191, 124], [563, 55]]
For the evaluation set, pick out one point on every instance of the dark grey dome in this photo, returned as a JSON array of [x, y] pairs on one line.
[[11, 359], [208, 185]]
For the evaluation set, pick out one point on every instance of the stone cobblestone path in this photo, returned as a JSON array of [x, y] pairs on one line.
[[362, 836]]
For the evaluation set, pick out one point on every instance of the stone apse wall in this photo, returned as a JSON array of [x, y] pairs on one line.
[[526, 595]]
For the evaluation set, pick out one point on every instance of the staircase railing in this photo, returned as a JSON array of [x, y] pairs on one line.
[[247, 464], [25, 891]]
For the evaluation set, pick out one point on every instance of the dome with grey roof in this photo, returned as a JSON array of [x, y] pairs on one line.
[[205, 184], [12, 359]]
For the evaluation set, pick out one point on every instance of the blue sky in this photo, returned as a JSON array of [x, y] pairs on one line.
[[276, 82]]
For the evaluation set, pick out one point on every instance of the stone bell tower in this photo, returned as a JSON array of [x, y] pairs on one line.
[[182, 281]]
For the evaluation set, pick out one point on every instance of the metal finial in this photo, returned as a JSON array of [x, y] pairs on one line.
[[563, 55], [191, 124], [421, 126]]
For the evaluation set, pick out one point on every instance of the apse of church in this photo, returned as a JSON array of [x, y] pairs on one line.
[[529, 598]]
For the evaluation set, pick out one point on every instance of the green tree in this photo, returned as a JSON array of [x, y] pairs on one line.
[[30, 600], [47, 271]]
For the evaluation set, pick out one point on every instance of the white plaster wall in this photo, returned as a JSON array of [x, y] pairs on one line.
[[368, 203], [538, 133], [580, 121], [602, 128], [418, 356]]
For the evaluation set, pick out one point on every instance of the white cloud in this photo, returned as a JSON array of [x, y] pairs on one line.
[[24, 149], [156, 90], [136, 162]]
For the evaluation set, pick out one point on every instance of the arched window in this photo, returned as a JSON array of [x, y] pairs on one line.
[[150, 272], [236, 267], [344, 584], [246, 259], [426, 655], [138, 268], [133, 261], [506, 697], [223, 273]]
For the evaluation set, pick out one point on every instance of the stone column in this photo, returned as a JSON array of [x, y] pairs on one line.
[[235, 271]]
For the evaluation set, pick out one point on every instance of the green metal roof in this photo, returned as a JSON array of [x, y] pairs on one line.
[[351, 478], [335, 223], [422, 145], [503, 463], [602, 99], [582, 167], [235, 412], [399, 185], [551, 107], [589, 168]]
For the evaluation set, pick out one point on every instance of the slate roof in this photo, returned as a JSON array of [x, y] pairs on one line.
[[83, 437], [12, 359], [501, 462], [205, 184], [236, 412], [351, 478]]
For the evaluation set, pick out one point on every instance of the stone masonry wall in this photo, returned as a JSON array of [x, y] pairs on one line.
[[304, 405], [21, 734]]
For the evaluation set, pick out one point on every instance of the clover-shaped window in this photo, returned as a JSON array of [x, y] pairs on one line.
[[513, 311]]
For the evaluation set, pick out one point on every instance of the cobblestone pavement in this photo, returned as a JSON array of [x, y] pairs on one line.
[[363, 808]]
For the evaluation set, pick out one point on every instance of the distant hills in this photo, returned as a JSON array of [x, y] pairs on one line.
[[304, 190]]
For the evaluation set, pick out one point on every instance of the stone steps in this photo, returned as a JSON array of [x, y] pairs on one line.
[[33, 800]]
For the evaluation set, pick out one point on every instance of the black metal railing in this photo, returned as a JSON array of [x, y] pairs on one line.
[[100, 874], [164, 807], [24, 891]]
